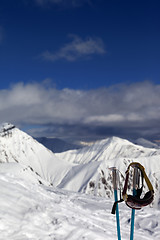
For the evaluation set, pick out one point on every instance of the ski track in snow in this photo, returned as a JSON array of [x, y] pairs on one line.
[[38, 212]]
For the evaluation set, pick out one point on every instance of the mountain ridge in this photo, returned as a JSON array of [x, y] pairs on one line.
[[113, 147], [84, 170]]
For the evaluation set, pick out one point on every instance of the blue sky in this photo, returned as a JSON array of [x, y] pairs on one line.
[[74, 55]]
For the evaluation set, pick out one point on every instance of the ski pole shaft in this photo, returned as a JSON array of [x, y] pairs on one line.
[[132, 222], [114, 173], [135, 182]]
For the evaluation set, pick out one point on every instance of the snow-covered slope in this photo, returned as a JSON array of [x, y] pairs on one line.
[[35, 212], [23, 172]]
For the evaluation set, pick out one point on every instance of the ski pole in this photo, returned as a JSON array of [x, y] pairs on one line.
[[135, 183], [114, 175]]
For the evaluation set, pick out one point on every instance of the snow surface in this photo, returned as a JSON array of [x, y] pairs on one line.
[[37, 212]]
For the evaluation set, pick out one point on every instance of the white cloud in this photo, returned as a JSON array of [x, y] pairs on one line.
[[76, 49], [105, 119], [134, 106]]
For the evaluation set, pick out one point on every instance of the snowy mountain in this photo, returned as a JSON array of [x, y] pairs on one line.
[[56, 145], [18, 147], [91, 173], [84, 170]]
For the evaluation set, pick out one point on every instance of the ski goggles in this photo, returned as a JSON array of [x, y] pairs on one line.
[[137, 203]]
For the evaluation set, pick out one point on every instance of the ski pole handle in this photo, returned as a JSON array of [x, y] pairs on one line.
[[115, 187], [135, 186], [114, 177], [135, 178]]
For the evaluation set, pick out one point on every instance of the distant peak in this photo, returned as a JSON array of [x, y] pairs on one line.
[[6, 128], [115, 139]]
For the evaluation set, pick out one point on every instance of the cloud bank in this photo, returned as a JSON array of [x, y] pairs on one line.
[[122, 110], [76, 49]]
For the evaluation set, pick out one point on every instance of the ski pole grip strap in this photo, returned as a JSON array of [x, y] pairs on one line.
[[115, 205], [144, 174], [148, 182], [114, 208], [126, 183]]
